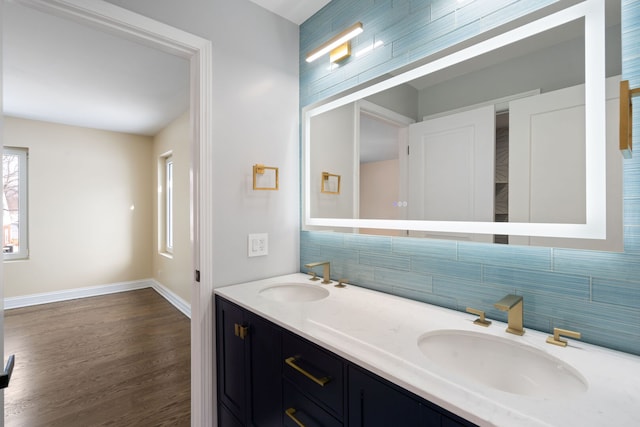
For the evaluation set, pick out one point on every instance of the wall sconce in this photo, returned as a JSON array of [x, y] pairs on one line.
[[330, 183], [260, 174], [626, 118], [339, 45]]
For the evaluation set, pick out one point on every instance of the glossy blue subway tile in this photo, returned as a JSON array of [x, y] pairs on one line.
[[617, 292], [619, 266], [440, 8], [368, 243], [505, 255], [422, 35], [387, 261], [429, 298], [403, 279], [322, 238], [361, 275], [339, 255], [632, 240], [631, 182], [475, 294], [443, 267], [524, 280], [475, 11], [425, 247], [631, 212]]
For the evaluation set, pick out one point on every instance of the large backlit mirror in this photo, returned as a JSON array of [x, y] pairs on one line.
[[511, 140]]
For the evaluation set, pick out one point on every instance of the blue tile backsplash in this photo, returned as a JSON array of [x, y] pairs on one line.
[[596, 293]]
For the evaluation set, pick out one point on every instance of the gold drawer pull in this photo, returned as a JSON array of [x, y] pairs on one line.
[[291, 361], [290, 413]]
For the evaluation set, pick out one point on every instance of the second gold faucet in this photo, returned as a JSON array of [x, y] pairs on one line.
[[513, 305], [326, 270]]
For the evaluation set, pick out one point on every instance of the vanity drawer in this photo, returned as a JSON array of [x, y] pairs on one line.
[[315, 372], [303, 410]]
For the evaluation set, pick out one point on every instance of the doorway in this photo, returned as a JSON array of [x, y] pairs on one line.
[[141, 29]]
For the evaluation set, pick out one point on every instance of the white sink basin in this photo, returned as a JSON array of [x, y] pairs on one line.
[[501, 364], [294, 292]]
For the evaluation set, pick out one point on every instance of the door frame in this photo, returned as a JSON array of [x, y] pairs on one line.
[[130, 25]]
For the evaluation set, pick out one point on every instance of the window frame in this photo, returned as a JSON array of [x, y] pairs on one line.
[[23, 193], [168, 208]]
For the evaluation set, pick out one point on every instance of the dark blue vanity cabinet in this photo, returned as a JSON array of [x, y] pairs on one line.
[[249, 363], [268, 376]]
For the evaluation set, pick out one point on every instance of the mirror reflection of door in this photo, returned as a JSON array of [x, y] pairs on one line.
[[382, 145], [451, 169]]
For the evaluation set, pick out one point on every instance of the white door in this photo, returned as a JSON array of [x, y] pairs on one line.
[[451, 170], [547, 174]]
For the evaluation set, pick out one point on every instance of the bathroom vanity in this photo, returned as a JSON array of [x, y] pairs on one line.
[[295, 352]]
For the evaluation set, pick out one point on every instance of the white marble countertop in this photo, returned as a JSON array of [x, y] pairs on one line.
[[380, 333]]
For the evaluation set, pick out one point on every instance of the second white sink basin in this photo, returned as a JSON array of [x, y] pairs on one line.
[[501, 364], [294, 292]]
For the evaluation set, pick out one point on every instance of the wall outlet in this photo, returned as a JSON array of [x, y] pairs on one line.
[[258, 244]]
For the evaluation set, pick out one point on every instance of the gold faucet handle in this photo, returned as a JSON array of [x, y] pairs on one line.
[[341, 283], [315, 276], [557, 332], [481, 320]]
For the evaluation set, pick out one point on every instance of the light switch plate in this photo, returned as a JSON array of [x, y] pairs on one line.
[[258, 244]]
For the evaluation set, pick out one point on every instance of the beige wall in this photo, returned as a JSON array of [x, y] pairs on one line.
[[175, 271], [82, 230]]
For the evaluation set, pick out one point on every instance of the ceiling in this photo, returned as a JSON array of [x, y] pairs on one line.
[[53, 72], [296, 11]]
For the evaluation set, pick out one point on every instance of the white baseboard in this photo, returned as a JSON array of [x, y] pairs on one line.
[[92, 291], [172, 297]]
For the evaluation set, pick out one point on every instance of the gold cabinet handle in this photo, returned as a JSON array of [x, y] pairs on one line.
[[291, 414], [481, 320], [556, 340], [291, 361], [240, 331]]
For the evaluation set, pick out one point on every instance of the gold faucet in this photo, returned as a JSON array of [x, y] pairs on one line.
[[556, 340], [513, 305], [326, 270]]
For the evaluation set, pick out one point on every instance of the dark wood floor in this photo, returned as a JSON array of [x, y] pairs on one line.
[[114, 360]]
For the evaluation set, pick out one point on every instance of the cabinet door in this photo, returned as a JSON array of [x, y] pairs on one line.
[[265, 363], [373, 403], [300, 409], [315, 372], [232, 378]]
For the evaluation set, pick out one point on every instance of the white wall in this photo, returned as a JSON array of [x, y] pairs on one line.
[[82, 231], [332, 150], [174, 271], [255, 85]]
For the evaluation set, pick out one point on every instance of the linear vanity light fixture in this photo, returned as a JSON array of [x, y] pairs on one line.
[[260, 170], [626, 118], [339, 45]]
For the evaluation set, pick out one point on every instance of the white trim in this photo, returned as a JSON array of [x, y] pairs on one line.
[[69, 294], [127, 24], [172, 297], [501, 105], [99, 290], [383, 113]]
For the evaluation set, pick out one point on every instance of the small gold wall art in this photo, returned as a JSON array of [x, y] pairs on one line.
[[626, 118], [265, 177], [330, 183]]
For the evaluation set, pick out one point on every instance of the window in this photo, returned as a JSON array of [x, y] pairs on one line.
[[168, 203], [14, 203]]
